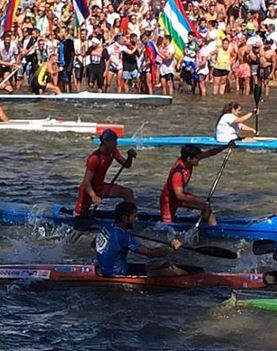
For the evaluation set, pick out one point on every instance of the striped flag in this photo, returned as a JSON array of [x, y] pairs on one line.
[[8, 16], [81, 10], [173, 21]]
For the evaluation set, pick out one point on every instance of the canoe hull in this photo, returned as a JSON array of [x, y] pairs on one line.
[[269, 143], [256, 299], [93, 98], [228, 227], [87, 274], [60, 125]]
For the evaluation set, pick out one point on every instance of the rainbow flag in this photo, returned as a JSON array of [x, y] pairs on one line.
[[173, 21], [9, 14]]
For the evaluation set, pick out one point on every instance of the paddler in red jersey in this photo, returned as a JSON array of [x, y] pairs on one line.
[[174, 192], [93, 187]]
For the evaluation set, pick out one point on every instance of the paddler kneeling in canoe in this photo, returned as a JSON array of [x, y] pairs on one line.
[[230, 123], [174, 192], [113, 243], [93, 187]]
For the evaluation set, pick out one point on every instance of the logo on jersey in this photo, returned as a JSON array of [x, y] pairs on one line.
[[102, 240]]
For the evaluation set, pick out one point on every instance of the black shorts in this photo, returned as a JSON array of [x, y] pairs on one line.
[[35, 87], [220, 72], [3, 70], [168, 77], [78, 72], [264, 72], [186, 76], [96, 73], [65, 77]]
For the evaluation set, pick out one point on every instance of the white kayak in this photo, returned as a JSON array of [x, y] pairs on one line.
[[94, 97], [60, 125]]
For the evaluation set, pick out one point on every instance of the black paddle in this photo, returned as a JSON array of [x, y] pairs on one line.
[[257, 92], [263, 247], [191, 232], [204, 250]]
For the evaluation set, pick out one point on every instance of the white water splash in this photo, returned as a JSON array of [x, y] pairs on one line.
[[30, 252]]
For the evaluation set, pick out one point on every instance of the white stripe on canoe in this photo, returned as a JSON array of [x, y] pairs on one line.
[[58, 125], [86, 95]]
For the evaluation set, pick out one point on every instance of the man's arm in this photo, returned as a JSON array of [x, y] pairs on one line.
[[160, 251], [127, 163], [215, 151], [87, 185]]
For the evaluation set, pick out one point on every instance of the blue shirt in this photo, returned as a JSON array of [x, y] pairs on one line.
[[112, 246]]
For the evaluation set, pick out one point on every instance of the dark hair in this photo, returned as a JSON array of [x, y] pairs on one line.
[[189, 151], [108, 135], [228, 109], [124, 209]]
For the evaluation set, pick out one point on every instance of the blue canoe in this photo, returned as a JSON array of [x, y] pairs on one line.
[[228, 227], [154, 141]]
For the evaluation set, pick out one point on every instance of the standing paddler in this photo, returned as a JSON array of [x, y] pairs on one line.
[[174, 193], [93, 187]]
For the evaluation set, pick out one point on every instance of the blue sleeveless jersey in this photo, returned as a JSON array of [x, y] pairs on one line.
[[112, 246]]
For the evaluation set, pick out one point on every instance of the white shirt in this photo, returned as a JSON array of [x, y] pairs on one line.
[[10, 54], [203, 53], [111, 17], [227, 129], [115, 51], [168, 65]]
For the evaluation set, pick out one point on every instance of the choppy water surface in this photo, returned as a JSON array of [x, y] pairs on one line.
[[44, 168]]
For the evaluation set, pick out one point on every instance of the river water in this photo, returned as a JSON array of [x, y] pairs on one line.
[[45, 168]]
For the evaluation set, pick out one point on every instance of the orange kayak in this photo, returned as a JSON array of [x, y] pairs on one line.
[[78, 274]]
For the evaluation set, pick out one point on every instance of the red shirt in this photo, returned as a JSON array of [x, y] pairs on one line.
[[179, 176], [99, 163]]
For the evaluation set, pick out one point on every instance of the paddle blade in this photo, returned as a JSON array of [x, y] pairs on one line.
[[214, 251], [257, 93], [263, 247]]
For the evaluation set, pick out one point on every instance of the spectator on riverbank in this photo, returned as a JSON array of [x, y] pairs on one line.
[[41, 28]]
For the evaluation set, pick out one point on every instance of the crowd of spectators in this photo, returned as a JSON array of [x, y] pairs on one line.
[[232, 48]]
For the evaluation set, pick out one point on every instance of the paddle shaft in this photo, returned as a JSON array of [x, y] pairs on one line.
[[8, 77], [257, 97], [204, 250], [215, 183]]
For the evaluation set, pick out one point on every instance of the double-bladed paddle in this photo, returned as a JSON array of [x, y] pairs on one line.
[[191, 233], [263, 247], [257, 92], [204, 250]]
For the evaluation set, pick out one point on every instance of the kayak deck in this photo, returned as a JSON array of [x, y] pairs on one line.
[[76, 273], [153, 141], [227, 227], [86, 96]]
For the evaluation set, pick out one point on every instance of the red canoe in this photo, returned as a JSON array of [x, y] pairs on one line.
[[65, 274]]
